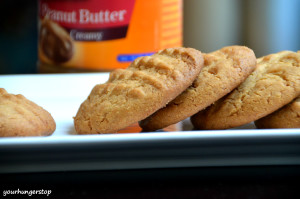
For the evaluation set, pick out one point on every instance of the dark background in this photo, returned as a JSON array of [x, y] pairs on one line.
[[261, 182], [18, 36]]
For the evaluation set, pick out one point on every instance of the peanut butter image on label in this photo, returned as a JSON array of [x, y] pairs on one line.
[[55, 42]]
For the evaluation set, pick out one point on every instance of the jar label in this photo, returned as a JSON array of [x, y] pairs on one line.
[[89, 20], [104, 35]]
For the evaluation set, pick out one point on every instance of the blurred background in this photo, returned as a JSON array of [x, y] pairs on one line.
[[266, 26]]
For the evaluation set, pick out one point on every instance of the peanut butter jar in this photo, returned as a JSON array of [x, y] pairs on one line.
[[93, 35]]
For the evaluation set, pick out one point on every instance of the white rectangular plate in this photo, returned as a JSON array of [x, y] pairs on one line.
[[62, 94]]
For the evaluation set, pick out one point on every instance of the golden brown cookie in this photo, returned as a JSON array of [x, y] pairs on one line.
[[223, 71], [132, 94], [21, 117], [286, 117], [274, 83]]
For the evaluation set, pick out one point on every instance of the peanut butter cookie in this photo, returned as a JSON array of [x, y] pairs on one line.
[[132, 94], [223, 71], [21, 117], [274, 83], [286, 117]]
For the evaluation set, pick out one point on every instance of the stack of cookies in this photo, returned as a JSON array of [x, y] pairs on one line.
[[133, 94], [274, 84], [219, 90]]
